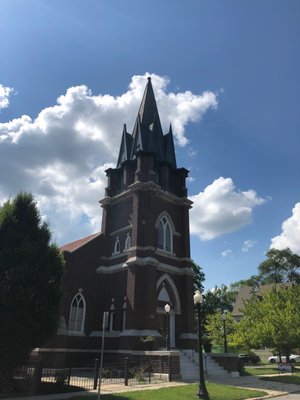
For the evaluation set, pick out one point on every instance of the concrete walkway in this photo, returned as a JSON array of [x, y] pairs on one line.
[[253, 382], [273, 389]]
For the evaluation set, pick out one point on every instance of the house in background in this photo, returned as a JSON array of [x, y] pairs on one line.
[[140, 261], [247, 292]]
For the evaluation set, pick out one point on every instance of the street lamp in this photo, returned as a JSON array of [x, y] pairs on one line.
[[167, 310], [225, 336], [202, 391]]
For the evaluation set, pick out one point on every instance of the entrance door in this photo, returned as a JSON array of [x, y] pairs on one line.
[[162, 328]]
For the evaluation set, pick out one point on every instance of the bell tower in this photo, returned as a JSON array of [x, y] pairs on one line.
[[145, 226]]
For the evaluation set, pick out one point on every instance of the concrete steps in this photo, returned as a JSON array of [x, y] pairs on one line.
[[189, 367]]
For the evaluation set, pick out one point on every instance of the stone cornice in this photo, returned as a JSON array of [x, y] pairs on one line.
[[146, 186], [142, 261]]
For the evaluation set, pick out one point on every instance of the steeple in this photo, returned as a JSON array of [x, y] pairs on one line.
[[147, 135], [148, 109]]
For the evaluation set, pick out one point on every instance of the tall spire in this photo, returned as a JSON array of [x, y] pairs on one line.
[[147, 135], [148, 109]]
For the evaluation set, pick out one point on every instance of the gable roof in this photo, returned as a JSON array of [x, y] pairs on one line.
[[78, 243], [246, 292]]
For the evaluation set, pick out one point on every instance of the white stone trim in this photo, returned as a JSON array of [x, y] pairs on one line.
[[133, 352], [111, 269], [142, 261], [146, 186], [140, 332], [107, 334], [188, 336]]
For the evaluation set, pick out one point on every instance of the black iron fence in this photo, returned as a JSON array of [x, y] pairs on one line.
[[35, 375]]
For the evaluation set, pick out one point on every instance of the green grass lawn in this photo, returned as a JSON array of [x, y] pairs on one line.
[[260, 371], [186, 392], [295, 378], [266, 370]]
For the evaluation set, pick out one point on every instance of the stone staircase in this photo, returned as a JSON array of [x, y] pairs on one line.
[[189, 367]]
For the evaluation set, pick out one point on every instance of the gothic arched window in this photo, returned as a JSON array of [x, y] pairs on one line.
[[77, 314], [117, 247], [127, 242], [165, 235]]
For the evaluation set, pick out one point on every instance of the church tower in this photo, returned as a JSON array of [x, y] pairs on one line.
[[145, 226], [140, 261]]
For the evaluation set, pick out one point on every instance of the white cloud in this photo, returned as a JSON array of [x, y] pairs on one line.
[[5, 92], [221, 209], [247, 245], [226, 253], [290, 235], [61, 155]]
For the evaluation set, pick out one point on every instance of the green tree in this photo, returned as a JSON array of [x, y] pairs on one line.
[[220, 298], [271, 319], [215, 301], [215, 329], [280, 266], [199, 277], [31, 271]]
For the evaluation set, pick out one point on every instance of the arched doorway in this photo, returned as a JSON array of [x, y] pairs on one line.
[[167, 294]]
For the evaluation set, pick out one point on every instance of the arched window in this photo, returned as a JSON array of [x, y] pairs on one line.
[[127, 242], [77, 314], [165, 239], [117, 246]]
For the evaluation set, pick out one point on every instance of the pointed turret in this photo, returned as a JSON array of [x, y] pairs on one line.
[[169, 148], [139, 139], [125, 148]]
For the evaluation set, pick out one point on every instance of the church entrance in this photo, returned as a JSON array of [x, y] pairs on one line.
[[164, 325]]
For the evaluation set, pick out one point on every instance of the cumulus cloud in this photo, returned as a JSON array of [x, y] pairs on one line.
[[5, 92], [61, 155], [221, 209], [290, 235], [247, 245]]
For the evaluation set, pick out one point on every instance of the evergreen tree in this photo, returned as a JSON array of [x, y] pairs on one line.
[[31, 271]]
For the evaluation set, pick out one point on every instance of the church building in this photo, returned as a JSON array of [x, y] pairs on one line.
[[140, 261]]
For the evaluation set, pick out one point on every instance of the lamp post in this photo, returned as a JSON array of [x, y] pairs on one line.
[[225, 335], [167, 310], [202, 391]]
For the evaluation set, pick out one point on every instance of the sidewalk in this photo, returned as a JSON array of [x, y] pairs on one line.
[[253, 382], [273, 389]]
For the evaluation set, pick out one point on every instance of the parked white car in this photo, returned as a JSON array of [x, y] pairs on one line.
[[294, 358]]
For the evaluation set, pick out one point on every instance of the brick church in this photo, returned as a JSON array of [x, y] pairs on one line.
[[140, 261]]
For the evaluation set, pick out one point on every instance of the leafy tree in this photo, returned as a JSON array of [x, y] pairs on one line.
[[272, 319], [220, 298], [215, 329], [254, 280], [217, 300], [31, 271], [280, 266], [199, 277]]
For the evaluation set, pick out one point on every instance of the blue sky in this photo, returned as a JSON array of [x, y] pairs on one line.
[[226, 75]]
